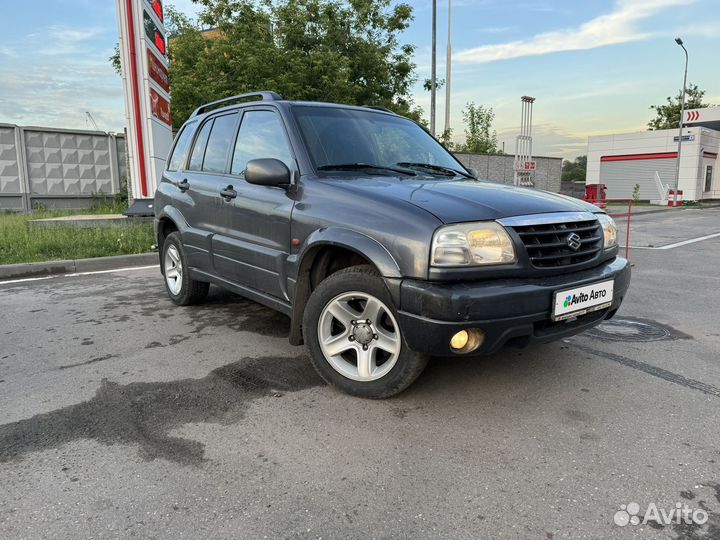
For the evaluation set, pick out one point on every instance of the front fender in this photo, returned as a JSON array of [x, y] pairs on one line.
[[355, 241]]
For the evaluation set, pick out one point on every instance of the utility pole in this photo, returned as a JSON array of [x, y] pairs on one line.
[[682, 116], [448, 69], [433, 74]]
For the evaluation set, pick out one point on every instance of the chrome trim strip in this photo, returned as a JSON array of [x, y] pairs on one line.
[[546, 219]]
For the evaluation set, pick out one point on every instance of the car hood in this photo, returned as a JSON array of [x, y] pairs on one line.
[[462, 200]]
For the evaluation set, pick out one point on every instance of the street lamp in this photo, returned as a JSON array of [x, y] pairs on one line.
[[448, 70], [433, 69], [682, 115]]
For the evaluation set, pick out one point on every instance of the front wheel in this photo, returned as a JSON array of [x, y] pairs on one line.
[[355, 343]]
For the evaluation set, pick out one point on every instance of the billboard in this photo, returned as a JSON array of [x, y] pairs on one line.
[[146, 85]]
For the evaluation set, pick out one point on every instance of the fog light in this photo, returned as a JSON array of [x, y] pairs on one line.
[[466, 341], [460, 339]]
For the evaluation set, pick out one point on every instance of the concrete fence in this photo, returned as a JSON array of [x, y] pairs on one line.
[[58, 168], [63, 168], [499, 168]]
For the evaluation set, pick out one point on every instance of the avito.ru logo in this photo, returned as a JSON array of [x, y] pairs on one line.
[[629, 514]]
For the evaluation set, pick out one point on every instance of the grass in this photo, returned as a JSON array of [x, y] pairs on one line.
[[21, 243]]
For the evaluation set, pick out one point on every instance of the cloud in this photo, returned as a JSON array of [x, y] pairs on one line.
[[53, 85], [618, 26]]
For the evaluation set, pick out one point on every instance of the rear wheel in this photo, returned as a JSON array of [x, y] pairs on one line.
[[180, 287], [355, 343]]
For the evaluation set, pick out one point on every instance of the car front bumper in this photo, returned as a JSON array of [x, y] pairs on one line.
[[508, 311]]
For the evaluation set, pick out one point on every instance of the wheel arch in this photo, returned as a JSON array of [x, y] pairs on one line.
[[168, 221], [329, 250]]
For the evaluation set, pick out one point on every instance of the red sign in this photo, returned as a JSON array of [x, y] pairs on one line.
[[157, 7], [157, 71], [153, 33], [530, 165], [693, 116], [160, 107]]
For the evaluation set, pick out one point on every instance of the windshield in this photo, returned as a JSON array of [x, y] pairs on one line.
[[337, 136]]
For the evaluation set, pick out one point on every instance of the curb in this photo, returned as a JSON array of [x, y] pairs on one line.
[[49, 268], [663, 209]]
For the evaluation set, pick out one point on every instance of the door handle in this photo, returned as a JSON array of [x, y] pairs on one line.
[[228, 193], [183, 185]]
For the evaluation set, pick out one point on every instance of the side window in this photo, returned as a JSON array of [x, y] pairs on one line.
[[180, 151], [219, 142], [261, 135], [198, 152]]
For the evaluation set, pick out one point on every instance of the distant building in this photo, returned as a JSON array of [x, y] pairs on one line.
[[623, 160]]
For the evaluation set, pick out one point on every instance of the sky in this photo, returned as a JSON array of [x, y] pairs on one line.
[[594, 66]]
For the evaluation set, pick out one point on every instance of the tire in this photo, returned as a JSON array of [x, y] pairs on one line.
[[182, 290], [336, 333]]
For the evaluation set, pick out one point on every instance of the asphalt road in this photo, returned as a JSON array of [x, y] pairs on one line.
[[124, 416]]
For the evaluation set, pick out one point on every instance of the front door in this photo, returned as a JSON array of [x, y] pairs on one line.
[[256, 242]]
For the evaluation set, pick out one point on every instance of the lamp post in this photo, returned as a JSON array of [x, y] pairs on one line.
[[448, 69], [433, 74], [682, 115]]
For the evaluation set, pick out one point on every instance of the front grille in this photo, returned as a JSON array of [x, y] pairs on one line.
[[547, 243]]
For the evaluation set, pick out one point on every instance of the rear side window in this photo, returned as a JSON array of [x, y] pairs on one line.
[[219, 142], [180, 152], [261, 136], [198, 153]]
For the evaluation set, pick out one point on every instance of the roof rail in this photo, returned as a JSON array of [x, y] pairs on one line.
[[264, 96], [378, 108]]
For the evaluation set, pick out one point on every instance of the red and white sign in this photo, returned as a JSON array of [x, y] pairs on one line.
[[693, 116], [526, 165], [158, 72], [147, 92], [160, 107]]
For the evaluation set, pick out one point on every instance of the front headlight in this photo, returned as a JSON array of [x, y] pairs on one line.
[[472, 244], [609, 230]]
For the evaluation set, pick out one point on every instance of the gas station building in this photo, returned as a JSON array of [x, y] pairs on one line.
[[621, 161]]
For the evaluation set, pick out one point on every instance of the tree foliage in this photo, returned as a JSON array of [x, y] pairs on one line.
[[574, 171], [480, 137], [343, 51], [667, 116]]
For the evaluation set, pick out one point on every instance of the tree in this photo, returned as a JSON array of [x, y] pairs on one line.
[[344, 51], [574, 171], [446, 139], [480, 138], [667, 116], [439, 83]]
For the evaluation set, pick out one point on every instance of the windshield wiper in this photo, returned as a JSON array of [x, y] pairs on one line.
[[364, 166], [447, 171]]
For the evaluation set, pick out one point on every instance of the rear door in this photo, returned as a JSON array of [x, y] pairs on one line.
[[253, 249], [203, 181]]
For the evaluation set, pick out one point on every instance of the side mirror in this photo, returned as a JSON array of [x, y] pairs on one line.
[[267, 172], [473, 172]]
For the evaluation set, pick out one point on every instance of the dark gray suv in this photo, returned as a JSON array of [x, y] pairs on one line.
[[377, 243]]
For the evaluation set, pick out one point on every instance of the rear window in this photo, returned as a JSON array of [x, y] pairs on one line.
[[198, 152], [180, 151], [218, 146]]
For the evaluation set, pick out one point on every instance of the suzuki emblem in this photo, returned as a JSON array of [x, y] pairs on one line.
[[573, 241]]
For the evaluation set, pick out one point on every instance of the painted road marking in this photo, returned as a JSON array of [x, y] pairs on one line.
[[678, 244], [76, 274]]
